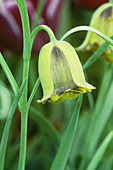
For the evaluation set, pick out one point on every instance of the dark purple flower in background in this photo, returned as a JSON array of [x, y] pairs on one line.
[[11, 26]]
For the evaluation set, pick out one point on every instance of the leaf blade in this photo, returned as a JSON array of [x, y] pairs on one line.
[[66, 143], [8, 125], [100, 152], [8, 74]]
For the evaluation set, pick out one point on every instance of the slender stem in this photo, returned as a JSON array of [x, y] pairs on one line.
[[26, 29], [26, 59], [33, 92], [87, 28], [43, 27], [24, 117], [23, 143]]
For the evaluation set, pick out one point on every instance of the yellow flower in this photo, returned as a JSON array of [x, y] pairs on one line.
[[102, 20], [61, 73]]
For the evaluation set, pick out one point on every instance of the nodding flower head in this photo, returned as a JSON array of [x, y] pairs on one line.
[[61, 73], [102, 20]]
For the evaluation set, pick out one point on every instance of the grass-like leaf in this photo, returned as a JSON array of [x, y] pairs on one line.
[[7, 127], [67, 141], [107, 162], [107, 77], [100, 152], [101, 114], [76, 154], [8, 74]]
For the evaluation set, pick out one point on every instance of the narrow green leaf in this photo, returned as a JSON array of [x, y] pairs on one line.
[[100, 152], [107, 77], [45, 124], [67, 141], [7, 127], [87, 28], [99, 118], [5, 102], [33, 92], [8, 74], [76, 154]]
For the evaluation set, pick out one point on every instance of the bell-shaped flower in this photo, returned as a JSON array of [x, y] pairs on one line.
[[102, 20], [61, 73]]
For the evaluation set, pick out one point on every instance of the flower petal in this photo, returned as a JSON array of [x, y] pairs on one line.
[[74, 64], [44, 70]]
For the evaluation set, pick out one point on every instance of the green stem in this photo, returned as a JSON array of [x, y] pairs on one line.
[[22, 156], [47, 29], [26, 59], [87, 28], [24, 117], [33, 92], [26, 29]]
